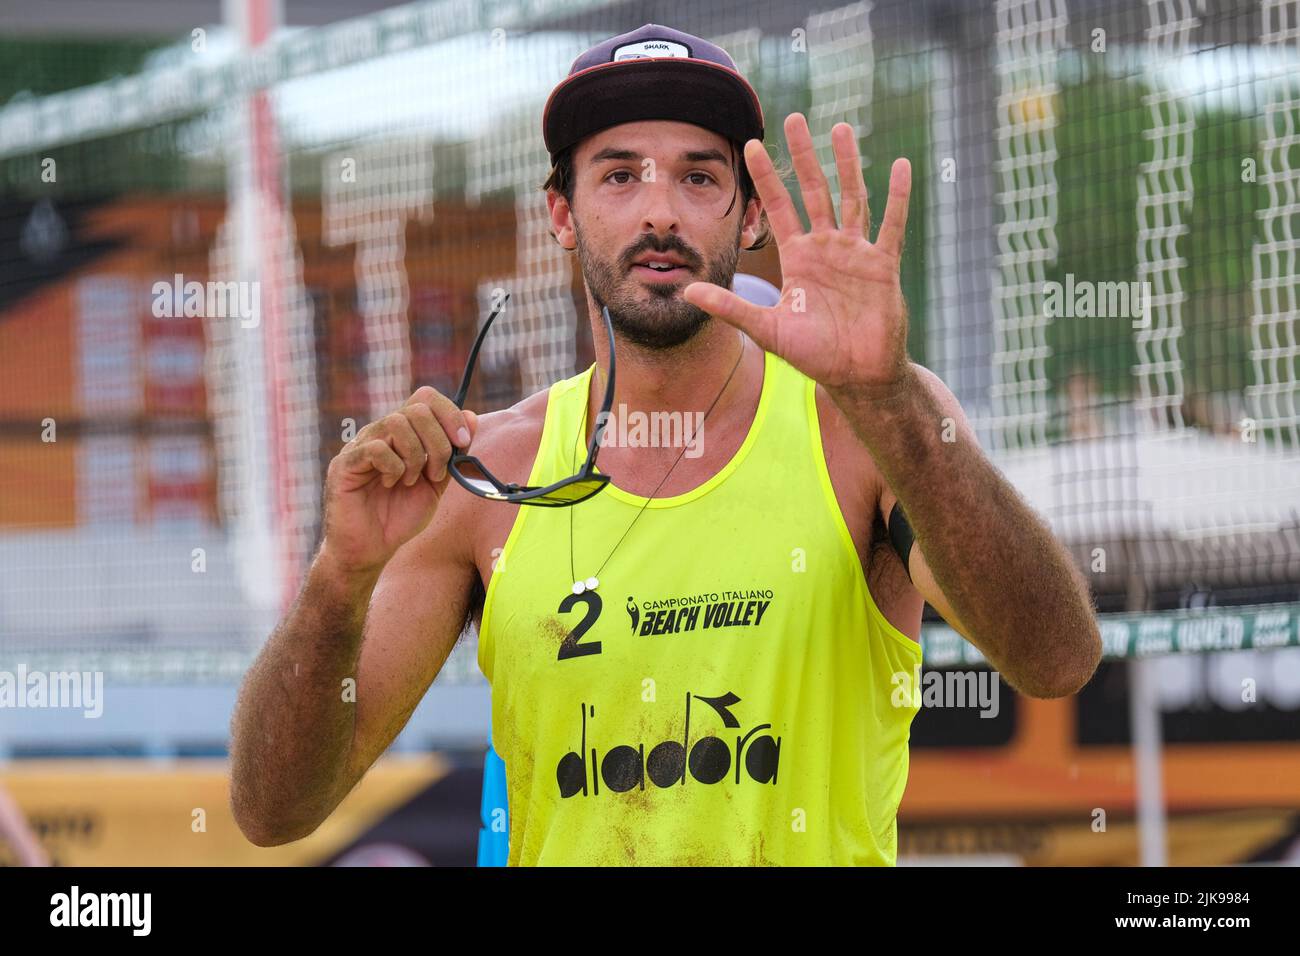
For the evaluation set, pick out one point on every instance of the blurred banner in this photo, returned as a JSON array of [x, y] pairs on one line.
[[408, 811]]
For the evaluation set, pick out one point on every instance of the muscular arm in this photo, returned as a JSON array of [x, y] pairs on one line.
[[298, 747], [291, 734], [983, 558]]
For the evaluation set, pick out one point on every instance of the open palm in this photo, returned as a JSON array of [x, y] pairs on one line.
[[841, 319]]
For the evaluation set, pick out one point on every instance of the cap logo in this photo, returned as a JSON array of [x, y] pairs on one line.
[[647, 48]]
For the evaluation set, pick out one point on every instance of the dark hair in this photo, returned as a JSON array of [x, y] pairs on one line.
[[560, 179]]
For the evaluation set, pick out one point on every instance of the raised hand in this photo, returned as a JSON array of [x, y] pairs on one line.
[[841, 319]]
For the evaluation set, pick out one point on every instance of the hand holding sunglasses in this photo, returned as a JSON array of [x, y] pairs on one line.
[[384, 486]]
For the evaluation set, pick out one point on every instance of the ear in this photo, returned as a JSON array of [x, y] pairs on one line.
[[753, 221], [561, 220]]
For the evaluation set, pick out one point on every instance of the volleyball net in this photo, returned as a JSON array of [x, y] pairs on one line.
[[220, 263]]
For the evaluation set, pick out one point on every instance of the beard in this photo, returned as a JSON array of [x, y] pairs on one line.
[[653, 315]]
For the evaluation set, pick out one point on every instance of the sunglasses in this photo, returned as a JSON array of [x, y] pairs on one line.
[[472, 475]]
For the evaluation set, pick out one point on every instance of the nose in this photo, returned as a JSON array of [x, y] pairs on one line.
[[659, 211]]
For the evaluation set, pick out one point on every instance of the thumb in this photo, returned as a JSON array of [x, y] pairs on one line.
[[471, 422], [755, 321]]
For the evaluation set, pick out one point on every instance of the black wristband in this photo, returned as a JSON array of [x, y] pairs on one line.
[[900, 535]]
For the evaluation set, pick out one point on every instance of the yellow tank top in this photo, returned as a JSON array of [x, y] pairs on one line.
[[727, 695]]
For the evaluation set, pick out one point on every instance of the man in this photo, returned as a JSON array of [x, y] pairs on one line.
[[699, 664]]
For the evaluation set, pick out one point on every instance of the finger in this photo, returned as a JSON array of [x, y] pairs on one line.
[[755, 321], [471, 418], [449, 416], [781, 214], [399, 433], [378, 456], [894, 225], [813, 186], [437, 447], [855, 211]]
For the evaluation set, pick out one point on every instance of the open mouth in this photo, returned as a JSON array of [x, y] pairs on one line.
[[660, 271]]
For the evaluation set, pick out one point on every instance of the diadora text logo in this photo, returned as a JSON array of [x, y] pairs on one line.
[[669, 763]]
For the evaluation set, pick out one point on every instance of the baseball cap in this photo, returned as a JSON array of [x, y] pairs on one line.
[[653, 72]]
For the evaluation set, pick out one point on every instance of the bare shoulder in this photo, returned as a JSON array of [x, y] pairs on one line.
[[510, 437], [941, 394], [851, 456]]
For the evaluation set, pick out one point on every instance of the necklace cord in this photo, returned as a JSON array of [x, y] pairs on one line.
[[646, 504]]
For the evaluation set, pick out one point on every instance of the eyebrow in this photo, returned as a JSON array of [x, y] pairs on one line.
[[690, 156]]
